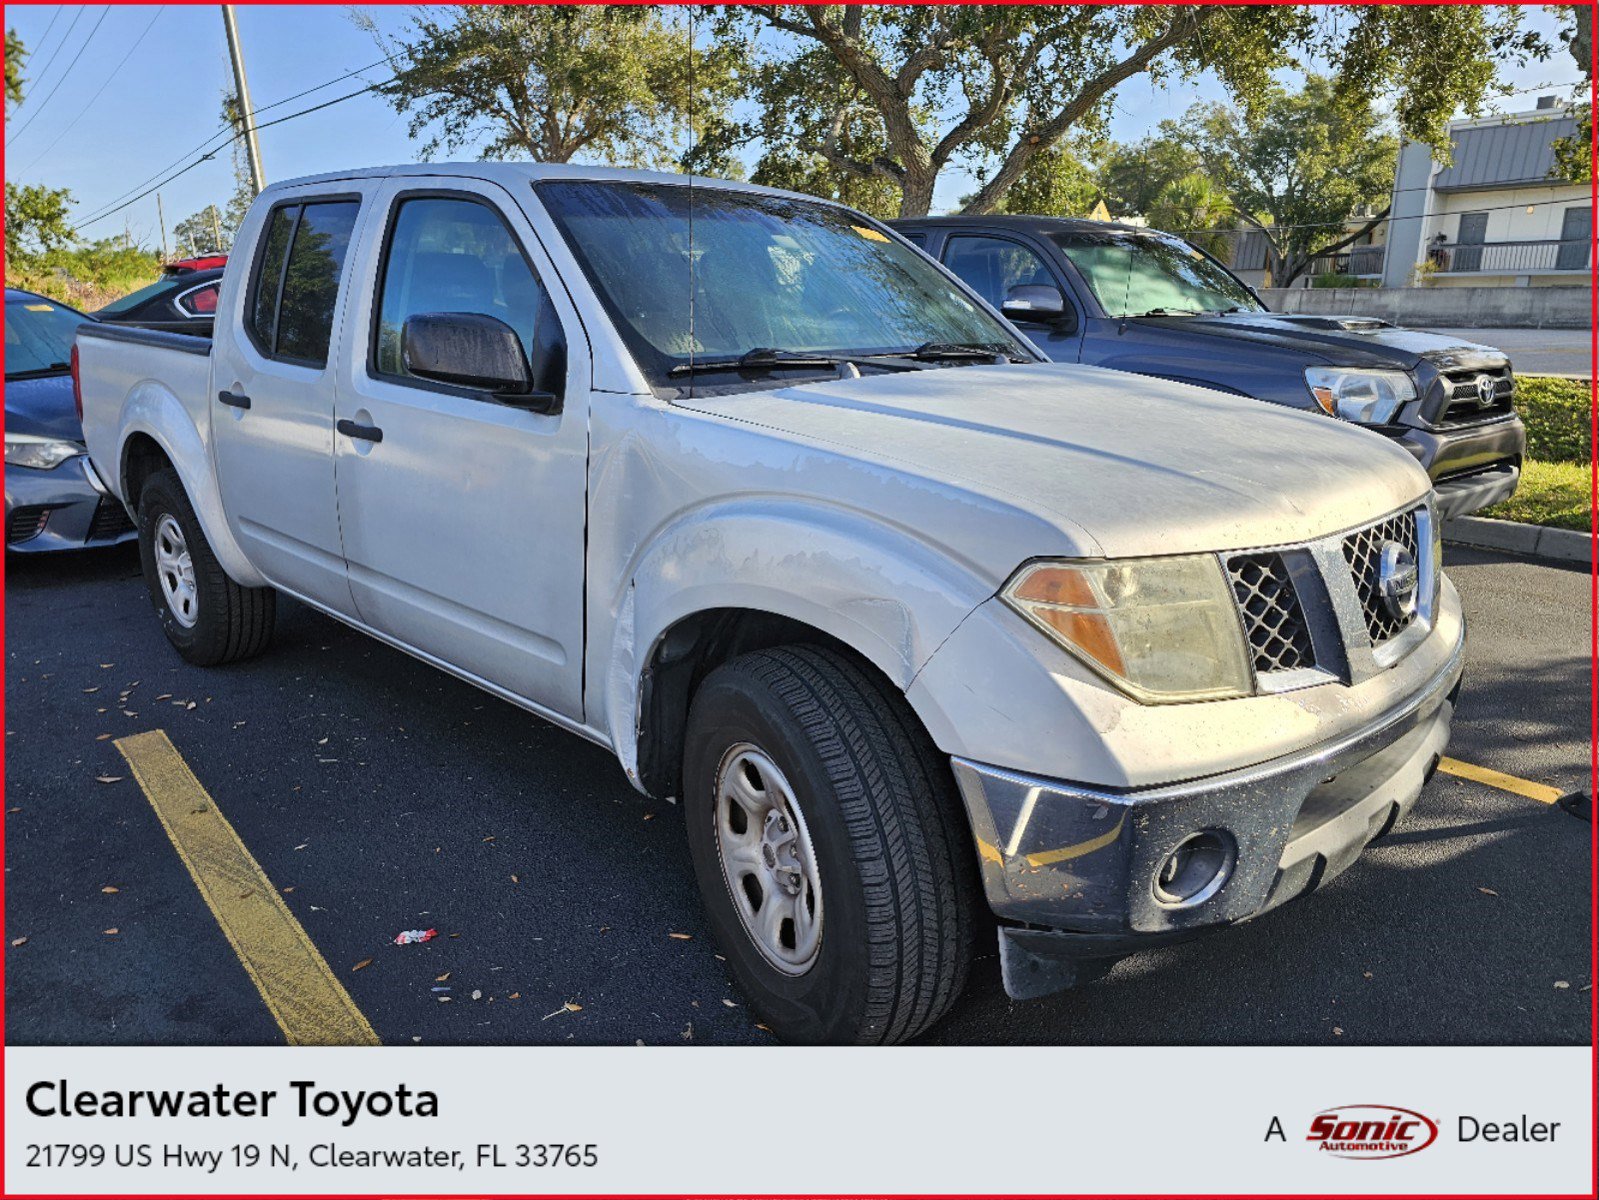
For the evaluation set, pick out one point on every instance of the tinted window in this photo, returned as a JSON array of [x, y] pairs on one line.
[[133, 299], [1133, 274], [992, 266], [754, 271], [269, 277], [201, 302], [39, 335], [914, 237], [457, 256], [311, 284]]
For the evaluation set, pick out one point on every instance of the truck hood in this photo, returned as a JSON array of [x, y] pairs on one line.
[[1120, 465], [1341, 341]]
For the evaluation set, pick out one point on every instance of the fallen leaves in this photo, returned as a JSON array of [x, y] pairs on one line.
[[109, 778], [112, 932], [21, 941], [569, 1007], [681, 937], [1487, 891], [108, 890], [362, 965]]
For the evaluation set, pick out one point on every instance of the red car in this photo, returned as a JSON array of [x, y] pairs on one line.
[[206, 262]]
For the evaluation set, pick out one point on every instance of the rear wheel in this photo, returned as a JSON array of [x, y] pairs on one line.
[[829, 847], [208, 618]]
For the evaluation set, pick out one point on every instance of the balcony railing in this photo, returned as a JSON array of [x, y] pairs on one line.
[[1360, 262], [1508, 258]]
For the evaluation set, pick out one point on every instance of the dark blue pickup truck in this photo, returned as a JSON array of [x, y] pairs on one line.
[[1135, 299]]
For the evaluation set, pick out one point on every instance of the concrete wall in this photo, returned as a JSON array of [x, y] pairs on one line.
[[1444, 308]]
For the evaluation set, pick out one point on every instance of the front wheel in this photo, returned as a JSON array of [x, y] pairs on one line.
[[829, 847], [208, 618]]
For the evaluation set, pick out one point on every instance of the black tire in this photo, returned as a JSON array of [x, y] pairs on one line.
[[231, 622], [889, 834]]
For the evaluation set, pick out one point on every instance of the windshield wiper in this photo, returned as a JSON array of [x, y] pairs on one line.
[[971, 350], [765, 358], [57, 368], [1170, 312]]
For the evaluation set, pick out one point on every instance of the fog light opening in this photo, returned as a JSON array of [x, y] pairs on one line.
[[1195, 870]]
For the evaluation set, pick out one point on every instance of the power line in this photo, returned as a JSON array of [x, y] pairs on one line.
[[229, 133], [68, 127], [44, 38], [64, 75], [216, 150], [50, 62]]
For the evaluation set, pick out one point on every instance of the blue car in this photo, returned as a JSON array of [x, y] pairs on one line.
[[54, 501]]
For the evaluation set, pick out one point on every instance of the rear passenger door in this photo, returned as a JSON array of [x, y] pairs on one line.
[[272, 410], [464, 514]]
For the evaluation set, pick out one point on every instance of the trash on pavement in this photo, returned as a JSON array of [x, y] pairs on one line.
[[408, 936]]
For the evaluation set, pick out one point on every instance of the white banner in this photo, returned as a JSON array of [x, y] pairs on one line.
[[797, 1121]]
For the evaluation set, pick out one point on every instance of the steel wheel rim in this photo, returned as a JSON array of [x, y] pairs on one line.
[[174, 568], [768, 860]]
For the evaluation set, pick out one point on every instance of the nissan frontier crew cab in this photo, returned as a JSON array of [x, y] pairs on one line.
[[742, 486]]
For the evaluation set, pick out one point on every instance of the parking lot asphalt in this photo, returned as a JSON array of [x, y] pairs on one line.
[[379, 795]]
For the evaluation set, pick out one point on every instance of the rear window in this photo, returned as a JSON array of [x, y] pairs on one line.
[[295, 287], [133, 299], [39, 336]]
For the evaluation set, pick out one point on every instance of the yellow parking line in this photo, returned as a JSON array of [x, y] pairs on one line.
[[1541, 792], [308, 1002]]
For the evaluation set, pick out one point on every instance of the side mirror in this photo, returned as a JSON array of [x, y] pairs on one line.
[[1039, 303], [472, 350]]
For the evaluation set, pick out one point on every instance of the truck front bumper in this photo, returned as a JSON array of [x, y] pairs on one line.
[[1080, 877]]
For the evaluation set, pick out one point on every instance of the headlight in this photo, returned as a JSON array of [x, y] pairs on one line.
[[40, 453], [1161, 629], [1364, 397]]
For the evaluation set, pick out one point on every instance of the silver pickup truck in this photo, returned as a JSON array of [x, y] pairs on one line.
[[742, 486]]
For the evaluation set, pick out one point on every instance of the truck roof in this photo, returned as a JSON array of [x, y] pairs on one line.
[[1025, 223], [511, 173]]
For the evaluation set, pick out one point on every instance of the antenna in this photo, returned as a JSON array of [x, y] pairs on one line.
[[693, 266], [1127, 288]]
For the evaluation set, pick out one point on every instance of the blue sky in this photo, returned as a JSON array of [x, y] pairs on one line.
[[164, 101]]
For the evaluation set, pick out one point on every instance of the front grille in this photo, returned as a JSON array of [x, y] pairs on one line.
[[1463, 402], [1273, 620], [26, 521], [110, 521], [1363, 551]]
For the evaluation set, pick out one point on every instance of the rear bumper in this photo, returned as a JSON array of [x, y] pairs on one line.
[[1077, 877], [65, 508]]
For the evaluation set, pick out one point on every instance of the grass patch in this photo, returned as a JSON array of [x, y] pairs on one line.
[[1558, 494], [1558, 418]]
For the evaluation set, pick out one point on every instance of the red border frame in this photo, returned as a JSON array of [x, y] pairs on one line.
[[1593, 861]]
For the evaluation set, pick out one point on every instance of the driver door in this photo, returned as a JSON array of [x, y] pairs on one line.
[[462, 515]]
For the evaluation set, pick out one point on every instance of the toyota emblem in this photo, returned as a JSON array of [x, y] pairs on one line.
[[1398, 580], [1487, 391]]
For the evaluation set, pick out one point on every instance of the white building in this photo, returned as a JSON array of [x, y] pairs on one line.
[[1494, 217]]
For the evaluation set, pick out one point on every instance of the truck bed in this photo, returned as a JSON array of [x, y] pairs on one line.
[[128, 376]]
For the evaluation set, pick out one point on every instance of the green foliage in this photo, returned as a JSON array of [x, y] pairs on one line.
[[1056, 183], [1574, 155], [1132, 175], [87, 277], [204, 232], [1194, 206], [16, 52], [553, 82], [1550, 493], [1558, 417], [1298, 166], [37, 221], [995, 86]]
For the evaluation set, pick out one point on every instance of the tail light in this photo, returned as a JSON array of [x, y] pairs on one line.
[[77, 383]]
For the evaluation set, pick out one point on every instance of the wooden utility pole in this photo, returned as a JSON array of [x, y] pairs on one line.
[[161, 217], [216, 230], [241, 88]]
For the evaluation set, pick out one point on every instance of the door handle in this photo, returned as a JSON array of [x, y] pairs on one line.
[[367, 433], [234, 399]]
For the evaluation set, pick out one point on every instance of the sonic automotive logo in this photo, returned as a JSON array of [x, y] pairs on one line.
[[1371, 1131]]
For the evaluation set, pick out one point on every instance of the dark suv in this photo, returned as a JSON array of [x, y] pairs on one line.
[[1135, 299]]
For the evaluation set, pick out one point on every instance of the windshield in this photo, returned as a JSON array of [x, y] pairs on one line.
[[1134, 274], [39, 336], [756, 272]]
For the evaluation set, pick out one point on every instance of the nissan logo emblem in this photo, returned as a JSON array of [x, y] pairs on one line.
[[1398, 580]]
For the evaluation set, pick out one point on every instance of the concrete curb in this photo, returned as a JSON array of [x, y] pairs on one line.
[[1541, 541]]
